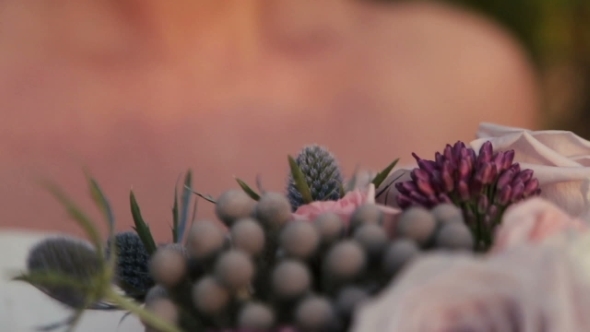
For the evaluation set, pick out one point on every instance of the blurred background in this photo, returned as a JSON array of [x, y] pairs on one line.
[[139, 91], [556, 35]]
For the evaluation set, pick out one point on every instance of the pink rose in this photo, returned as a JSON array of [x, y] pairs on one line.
[[529, 288], [533, 221], [560, 160], [344, 207]]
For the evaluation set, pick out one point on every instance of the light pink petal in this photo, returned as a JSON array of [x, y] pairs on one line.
[[533, 221]]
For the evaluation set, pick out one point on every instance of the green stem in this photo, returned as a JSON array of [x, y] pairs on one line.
[[146, 316]]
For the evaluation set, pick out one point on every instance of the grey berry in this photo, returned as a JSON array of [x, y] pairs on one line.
[[348, 299], [417, 224], [454, 236], [234, 205], [315, 314], [234, 270], [397, 255], [205, 239], [290, 279], [299, 239], [329, 226], [209, 296], [366, 214], [444, 213], [372, 238], [256, 317], [168, 267], [248, 235], [345, 260], [273, 210]]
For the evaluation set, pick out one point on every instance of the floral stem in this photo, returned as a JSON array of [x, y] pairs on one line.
[[146, 316]]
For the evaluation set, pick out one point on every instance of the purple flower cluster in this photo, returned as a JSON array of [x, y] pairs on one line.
[[482, 185]]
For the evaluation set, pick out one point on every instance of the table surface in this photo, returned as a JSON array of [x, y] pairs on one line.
[[23, 307]]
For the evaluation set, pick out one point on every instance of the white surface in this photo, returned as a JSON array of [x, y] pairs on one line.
[[23, 307]]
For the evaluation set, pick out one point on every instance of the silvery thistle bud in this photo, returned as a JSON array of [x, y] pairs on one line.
[[322, 174], [483, 185]]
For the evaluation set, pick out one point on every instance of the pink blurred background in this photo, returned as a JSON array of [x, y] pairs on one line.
[[140, 91]]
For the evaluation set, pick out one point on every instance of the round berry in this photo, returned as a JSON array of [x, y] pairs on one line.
[[366, 214], [273, 210], [256, 317], [445, 213], [233, 205], [372, 238], [345, 260], [454, 236], [205, 239], [397, 255], [315, 314], [234, 270], [348, 299], [248, 235], [154, 293], [299, 239], [329, 226], [164, 309], [290, 279], [168, 267], [417, 224], [209, 296]]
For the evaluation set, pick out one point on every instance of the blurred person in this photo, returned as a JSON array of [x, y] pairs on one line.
[[140, 90]]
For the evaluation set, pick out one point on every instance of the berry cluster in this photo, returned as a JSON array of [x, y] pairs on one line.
[[265, 272]]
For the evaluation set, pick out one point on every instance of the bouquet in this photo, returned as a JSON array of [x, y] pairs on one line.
[[485, 236]]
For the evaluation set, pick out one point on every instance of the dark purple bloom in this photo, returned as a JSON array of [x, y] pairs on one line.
[[482, 184]]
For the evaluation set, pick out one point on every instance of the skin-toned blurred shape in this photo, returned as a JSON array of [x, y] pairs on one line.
[[139, 91]]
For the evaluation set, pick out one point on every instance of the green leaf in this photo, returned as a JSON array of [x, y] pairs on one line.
[[142, 229], [248, 190], [300, 181], [175, 217], [77, 214], [381, 176], [103, 204], [342, 191], [184, 207], [207, 197]]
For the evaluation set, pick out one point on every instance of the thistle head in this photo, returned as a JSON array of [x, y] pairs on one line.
[[322, 174], [133, 275], [483, 185]]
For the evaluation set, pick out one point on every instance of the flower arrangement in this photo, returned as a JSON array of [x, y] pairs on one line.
[[488, 235]]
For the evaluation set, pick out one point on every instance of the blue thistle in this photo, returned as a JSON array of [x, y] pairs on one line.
[[322, 174], [133, 274], [68, 257]]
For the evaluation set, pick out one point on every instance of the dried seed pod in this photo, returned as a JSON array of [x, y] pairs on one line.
[[417, 224], [205, 239], [299, 239], [209, 296], [234, 270], [164, 309], [273, 210], [234, 205], [373, 239], [168, 267], [256, 317], [290, 279], [247, 235]]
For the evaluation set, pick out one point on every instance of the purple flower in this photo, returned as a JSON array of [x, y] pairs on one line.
[[483, 185]]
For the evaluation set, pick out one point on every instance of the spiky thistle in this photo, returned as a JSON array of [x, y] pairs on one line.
[[132, 272], [322, 174], [482, 185]]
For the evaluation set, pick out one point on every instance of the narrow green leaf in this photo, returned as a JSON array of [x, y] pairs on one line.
[[44, 279], [381, 176], [342, 191], [77, 214], [184, 207], [175, 216], [300, 181], [103, 204], [207, 197], [142, 229], [248, 190]]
